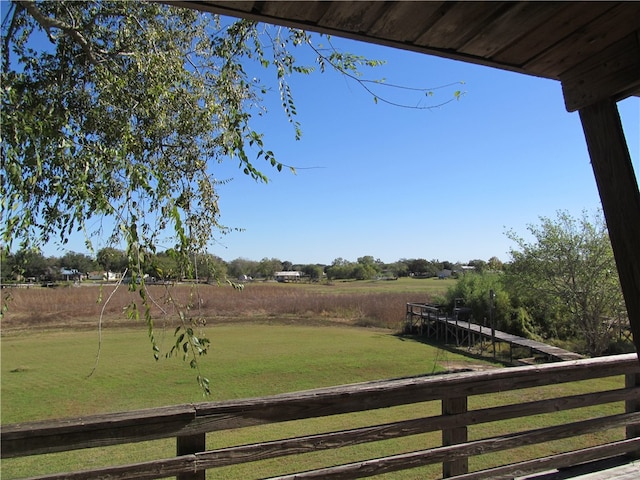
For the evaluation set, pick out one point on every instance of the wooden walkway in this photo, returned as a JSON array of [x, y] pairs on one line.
[[430, 321]]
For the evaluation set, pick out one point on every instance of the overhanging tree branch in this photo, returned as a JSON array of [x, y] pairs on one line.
[[49, 23]]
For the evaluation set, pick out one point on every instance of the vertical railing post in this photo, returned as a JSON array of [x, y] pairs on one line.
[[633, 405], [453, 436], [446, 328], [188, 445]]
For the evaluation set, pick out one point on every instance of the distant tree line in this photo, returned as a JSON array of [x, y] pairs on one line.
[[168, 266], [563, 285]]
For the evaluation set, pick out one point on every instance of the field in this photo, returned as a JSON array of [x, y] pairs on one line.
[[358, 303], [267, 339]]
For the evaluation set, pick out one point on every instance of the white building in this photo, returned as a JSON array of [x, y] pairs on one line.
[[287, 276]]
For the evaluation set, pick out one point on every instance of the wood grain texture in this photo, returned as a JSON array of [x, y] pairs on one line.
[[448, 453], [620, 198], [611, 74], [454, 435]]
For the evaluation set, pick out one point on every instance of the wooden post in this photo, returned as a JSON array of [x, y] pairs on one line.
[[408, 319], [446, 329], [632, 380], [452, 436], [620, 198], [492, 297], [187, 445]]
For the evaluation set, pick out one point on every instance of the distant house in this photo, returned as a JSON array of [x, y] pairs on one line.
[[97, 276], [287, 276], [444, 274], [70, 275], [103, 276]]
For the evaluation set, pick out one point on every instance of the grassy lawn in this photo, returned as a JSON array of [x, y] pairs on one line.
[[45, 375], [288, 338]]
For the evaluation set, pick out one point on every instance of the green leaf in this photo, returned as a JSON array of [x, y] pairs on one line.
[[111, 122]]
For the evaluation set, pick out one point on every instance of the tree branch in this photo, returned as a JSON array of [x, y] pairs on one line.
[[17, 8], [48, 23], [363, 83]]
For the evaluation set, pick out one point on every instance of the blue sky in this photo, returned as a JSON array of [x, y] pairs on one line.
[[374, 179]]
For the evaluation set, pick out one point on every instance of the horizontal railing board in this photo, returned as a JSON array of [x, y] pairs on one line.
[[421, 458], [557, 461], [148, 416], [95, 431], [518, 410], [384, 394], [313, 443], [202, 461], [110, 429], [139, 471]]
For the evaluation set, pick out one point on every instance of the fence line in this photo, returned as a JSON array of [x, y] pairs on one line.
[[190, 423]]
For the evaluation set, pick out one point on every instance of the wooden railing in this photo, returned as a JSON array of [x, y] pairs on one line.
[[189, 424], [431, 322]]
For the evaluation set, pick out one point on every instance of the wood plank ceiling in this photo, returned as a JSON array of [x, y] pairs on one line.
[[593, 48]]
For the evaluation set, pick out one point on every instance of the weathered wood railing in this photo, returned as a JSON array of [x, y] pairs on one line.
[[190, 424], [432, 322]]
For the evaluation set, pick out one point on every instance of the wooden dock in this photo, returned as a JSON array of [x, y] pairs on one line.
[[431, 321]]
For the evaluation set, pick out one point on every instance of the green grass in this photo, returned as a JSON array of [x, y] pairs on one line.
[[45, 375]]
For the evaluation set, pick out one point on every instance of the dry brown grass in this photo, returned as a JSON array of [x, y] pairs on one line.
[[82, 306], [52, 307]]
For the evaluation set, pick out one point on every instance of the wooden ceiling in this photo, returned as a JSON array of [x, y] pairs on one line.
[[593, 48]]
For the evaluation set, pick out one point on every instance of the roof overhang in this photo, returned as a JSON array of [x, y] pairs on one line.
[[593, 48]]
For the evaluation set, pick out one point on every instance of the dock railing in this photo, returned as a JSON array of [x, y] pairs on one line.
[[432, 322], [455, 392]]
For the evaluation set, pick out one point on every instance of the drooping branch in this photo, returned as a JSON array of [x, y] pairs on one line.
[[364, 83]]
